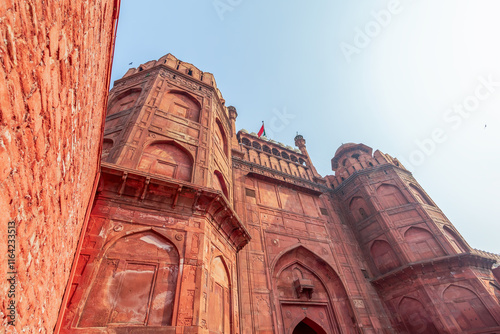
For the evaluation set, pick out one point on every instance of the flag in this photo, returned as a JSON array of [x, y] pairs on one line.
[[262, 131]]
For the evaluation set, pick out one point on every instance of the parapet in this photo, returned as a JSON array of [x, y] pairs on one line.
[[181, 67]]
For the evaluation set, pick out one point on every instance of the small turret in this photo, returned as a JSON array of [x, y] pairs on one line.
[[300, 142]]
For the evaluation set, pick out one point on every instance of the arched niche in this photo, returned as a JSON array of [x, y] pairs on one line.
[[107, 144], [168, 159], [256, 145], [456, 241], [246, 142], [390, 196], [136, 272], [359, 208], [422, 244], [419, 195], [124, 101], [220, 137], [301, 278], [383, 256], [219, 299], [467, 308], [415, 317], [180, 104], [219, 183]]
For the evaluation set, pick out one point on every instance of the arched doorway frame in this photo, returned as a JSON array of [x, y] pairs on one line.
[[333, 311]]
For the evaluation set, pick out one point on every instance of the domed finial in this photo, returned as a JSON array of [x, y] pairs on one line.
[[300, 142], [232, 112]]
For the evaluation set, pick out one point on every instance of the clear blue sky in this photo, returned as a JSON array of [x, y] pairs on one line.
[[394, 75]]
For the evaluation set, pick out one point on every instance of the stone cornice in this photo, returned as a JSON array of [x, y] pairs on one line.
[[164, 194], [273, 175], [418, 269], [365, 172]]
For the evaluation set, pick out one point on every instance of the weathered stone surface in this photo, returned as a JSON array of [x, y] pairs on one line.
[[55, 58]]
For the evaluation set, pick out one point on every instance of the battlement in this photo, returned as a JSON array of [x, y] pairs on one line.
[[181, 67], [350, 158], [275, 155]]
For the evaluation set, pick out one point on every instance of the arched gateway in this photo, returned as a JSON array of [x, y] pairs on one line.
[[310, 297]]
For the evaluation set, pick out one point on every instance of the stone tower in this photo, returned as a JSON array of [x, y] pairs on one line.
[[159, 251], [423, 270], [198, 228]]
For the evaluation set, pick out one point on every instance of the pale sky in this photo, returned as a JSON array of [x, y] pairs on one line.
[[417, 79]]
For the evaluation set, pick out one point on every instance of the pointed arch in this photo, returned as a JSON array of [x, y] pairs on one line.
[[219, 299], [181, 104], [359, 208], [107, 144], [390, 196], [126, 286], [167, 158], [467, 308], [219, 183], [422, 244], [220, 137], [308, 326], [383, 256], [123, 101], [320, 285], [456, 241], [420, 195], [415, 317]]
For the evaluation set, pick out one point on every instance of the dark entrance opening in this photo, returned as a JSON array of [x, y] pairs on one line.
[[307, 326], [303, 328]]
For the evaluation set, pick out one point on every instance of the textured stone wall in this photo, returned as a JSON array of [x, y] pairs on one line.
[[54, 72]]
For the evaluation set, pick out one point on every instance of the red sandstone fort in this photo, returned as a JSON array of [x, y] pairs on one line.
[[164, 218]]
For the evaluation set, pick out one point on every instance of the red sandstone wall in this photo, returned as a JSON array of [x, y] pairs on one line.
[[54, 72]]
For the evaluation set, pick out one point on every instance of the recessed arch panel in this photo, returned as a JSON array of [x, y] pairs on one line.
[[419, 195], [467, 308], [167, 158], [359, 208], [383, 256], [422, 244], [219, 183], [219, 300], [415, 317], [220, 137], [180, 104], [390, 196], [456, 241], [124, 101], [127, 286]]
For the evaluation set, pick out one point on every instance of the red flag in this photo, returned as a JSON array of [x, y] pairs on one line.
[[262, 131]]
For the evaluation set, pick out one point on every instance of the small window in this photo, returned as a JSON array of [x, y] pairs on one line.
[[362, 213], [250, 192], [324, 211], [256, 145], [365, 273], [190, 72]]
